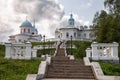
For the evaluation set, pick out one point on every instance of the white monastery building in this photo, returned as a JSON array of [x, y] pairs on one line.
[[28, 32], [77, 33]]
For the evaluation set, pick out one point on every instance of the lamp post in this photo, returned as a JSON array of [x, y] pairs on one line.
[[71, 44], [49, 47], [44, 45]]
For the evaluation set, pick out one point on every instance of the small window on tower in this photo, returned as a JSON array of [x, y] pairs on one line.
[[84, 35], [24, 30], [28, 30], [70, 23], [75, 34], [19, 40], [61, 34], [67, 34]]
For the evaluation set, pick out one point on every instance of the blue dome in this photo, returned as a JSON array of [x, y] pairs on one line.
[[26, 24]]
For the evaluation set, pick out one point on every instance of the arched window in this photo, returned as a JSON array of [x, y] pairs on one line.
[[19, 40], [90, 35], [67, 35], [75, 34], [28, 30], [24, 30], [32, 32], [21, 31], [84, 35]]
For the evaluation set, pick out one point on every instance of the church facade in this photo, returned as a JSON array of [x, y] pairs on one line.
[[28, 32], [76, 33]]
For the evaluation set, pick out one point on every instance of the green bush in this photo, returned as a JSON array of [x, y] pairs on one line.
[[119, 52], [47, 51], [2, 50], [81, 46], [42, 43]]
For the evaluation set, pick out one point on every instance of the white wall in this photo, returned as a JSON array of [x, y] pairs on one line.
[[71, 32], [80, 34], [105, 51], [18, 50]]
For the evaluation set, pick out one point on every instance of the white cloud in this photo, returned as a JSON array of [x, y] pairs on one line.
[[86, 4]]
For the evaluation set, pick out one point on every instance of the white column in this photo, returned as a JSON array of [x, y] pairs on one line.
[[8, 50], [95, 55], [28, 51], [115, 51], [88, 52], [34, 53]]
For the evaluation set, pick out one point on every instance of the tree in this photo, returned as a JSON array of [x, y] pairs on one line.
[[113, 7], [100, 23], [107, 25]]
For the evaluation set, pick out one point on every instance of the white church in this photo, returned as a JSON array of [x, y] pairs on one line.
[[28, 32], [83, 33]]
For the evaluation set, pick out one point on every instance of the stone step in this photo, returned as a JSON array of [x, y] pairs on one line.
[[59, 54], [70, 70], [68, 63], [70, 66], [65, 79], [60, 58], [71, 76], [74, 61]]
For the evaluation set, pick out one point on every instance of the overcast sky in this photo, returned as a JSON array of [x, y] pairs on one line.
[[49, 14]]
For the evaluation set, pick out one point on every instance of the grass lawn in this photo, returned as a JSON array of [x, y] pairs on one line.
[[17, 69], [110, 69]]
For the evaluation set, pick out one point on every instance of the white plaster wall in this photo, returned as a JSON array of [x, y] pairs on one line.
[[87, 32], [57, 34], [21, 37], [36, 38], [26, 30], [71, 31]]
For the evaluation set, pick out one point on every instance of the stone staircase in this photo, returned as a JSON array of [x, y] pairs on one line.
[[62, 67]]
